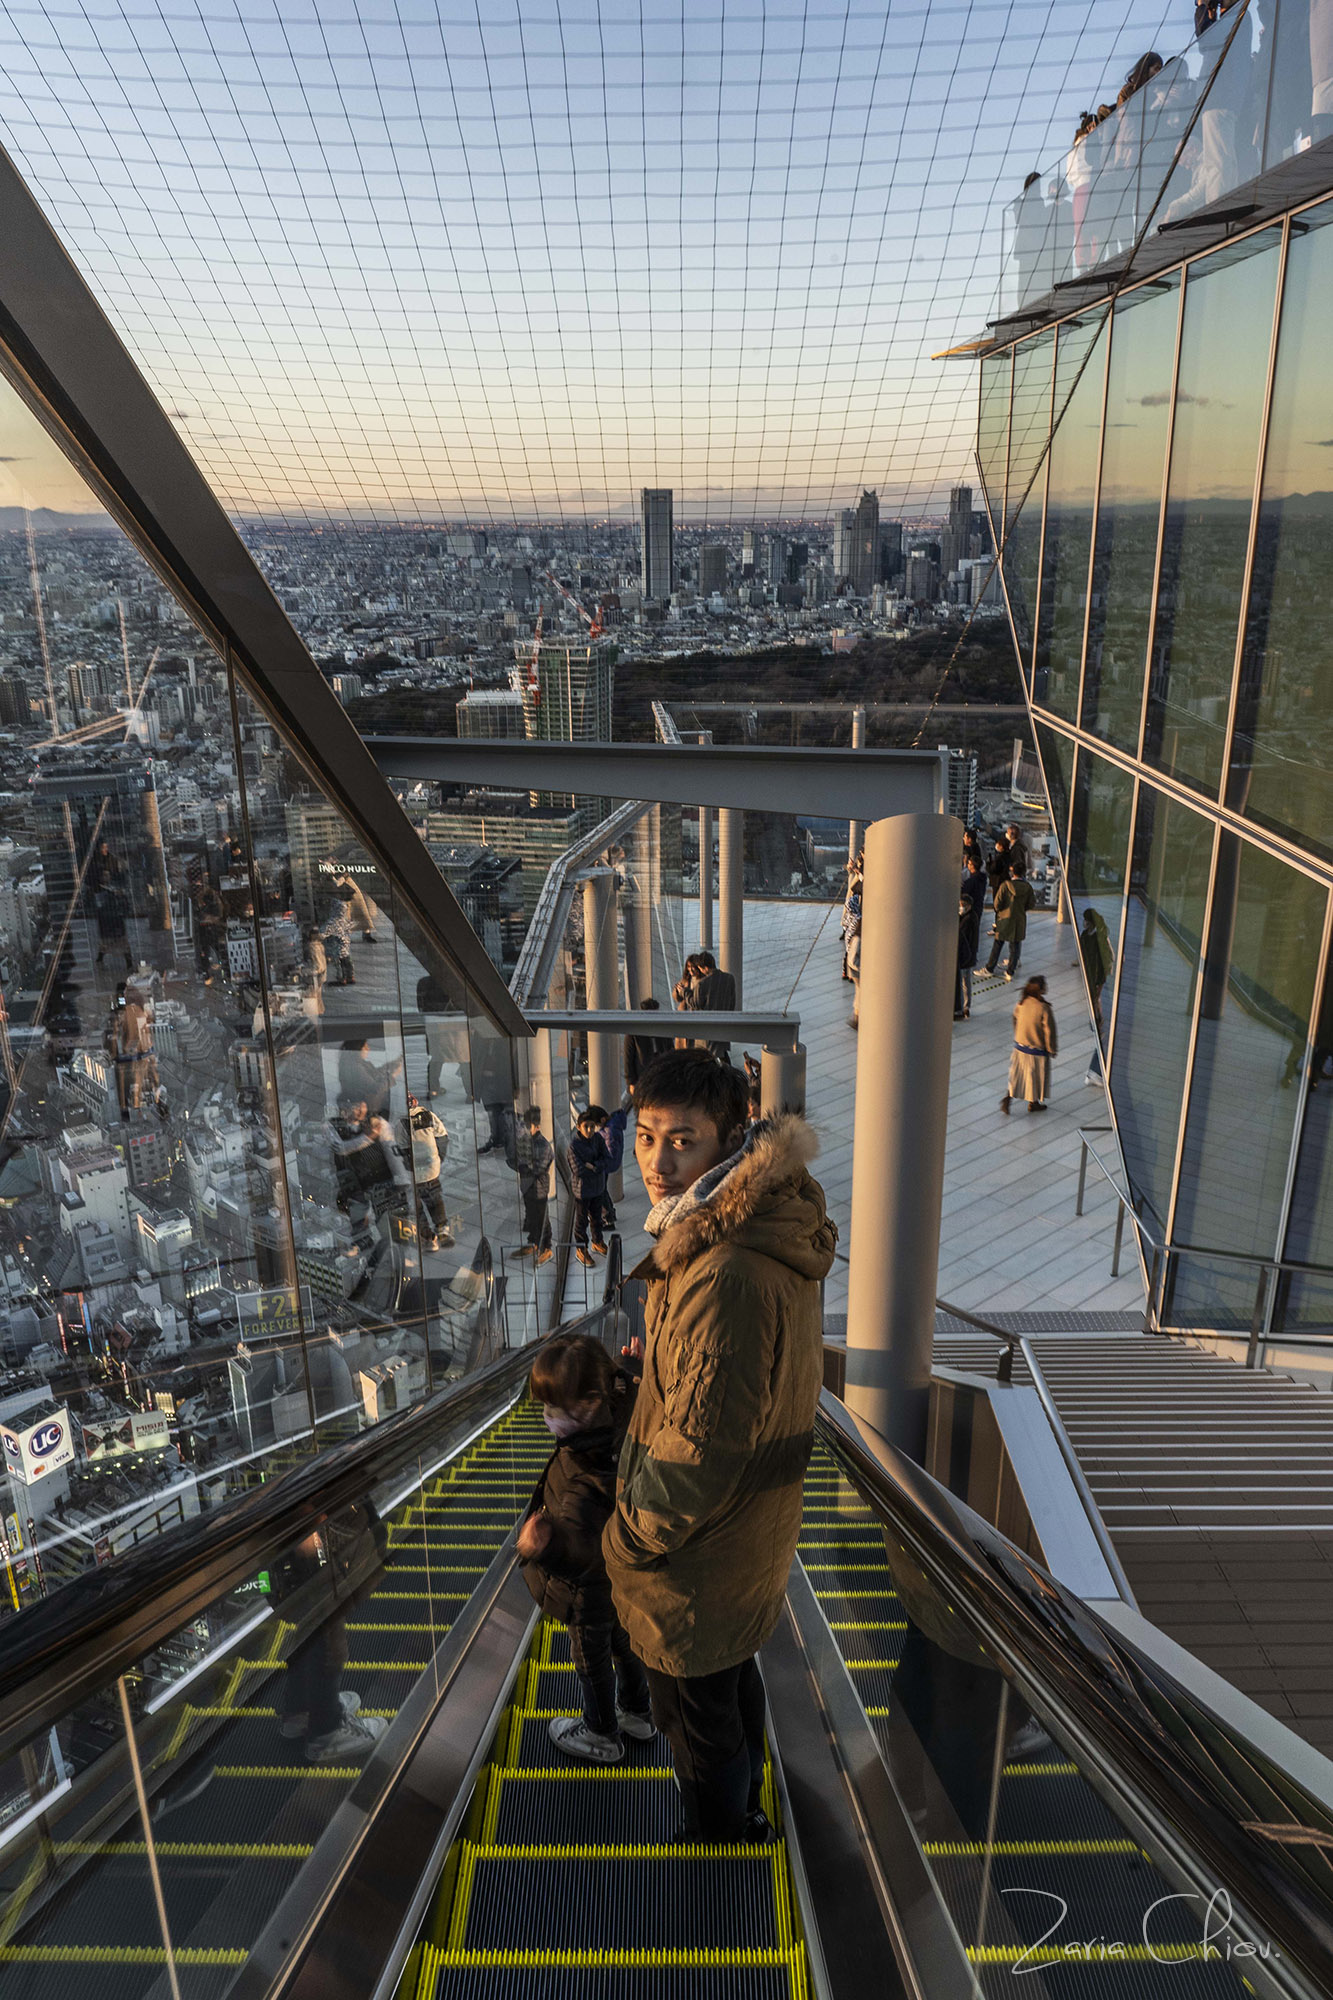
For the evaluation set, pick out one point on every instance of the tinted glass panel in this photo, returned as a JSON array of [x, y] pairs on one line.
[[1143, 339], [1168, 891], [993, 427], [1057, 757], [1282, 757], [1027, 482], [1098, 853], [1310, 1227], [1219, 410], [1071, 484], [1258, 983]]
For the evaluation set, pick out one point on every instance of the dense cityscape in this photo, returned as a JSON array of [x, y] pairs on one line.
[[141, 1239]]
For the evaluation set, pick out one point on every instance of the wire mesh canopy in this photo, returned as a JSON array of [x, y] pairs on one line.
[[438, 259]]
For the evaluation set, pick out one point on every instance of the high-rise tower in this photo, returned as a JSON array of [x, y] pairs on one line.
[[864, 568], [658, 550]]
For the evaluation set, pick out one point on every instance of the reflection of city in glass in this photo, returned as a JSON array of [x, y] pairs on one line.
[[1181, 698], [241, 1202]]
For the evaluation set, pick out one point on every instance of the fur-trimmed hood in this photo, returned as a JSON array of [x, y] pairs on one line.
[[768, 1203]]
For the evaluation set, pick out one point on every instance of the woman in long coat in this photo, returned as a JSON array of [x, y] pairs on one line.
[[1035, 1043]]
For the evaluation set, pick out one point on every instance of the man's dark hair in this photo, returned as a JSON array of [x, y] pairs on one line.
[[653, 1006], [1017, 869], [596, 1114], [533, 1115], [706, 960], [695, 1081]]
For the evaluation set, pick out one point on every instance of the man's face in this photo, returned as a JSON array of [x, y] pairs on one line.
[[674, 1144]]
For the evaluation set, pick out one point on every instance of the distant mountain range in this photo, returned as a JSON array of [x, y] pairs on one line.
[[46, 522]]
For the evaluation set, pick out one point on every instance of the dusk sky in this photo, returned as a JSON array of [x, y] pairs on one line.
[[524, 257]]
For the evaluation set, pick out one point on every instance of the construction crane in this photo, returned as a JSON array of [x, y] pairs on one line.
[[591, 620]]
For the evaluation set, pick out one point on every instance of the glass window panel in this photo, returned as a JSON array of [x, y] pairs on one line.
[[142, 1194], [1138, 396], [1282, 752], [335, 1015], [1300, 109], [1099, 831], [1224, 347], [1071, 484], [1224, 147], [1210, 1292], [993, 427], [1168, 891], [1027, 481], [1258, 976], [1310, 1225], [1057, 758]]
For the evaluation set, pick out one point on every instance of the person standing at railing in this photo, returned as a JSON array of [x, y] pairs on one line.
[[1036, 1044], [708, 1502], [589, 1160]]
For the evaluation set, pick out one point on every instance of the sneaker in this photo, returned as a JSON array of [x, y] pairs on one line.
[[296, 1724], [757, 1831], [1038, 1106], [1030, 1741], [350, 1744], [599, 1249], [582, 1255], [545, 1256], [1008, 977], [641, 1727], [526, 1250], [571, 1734]]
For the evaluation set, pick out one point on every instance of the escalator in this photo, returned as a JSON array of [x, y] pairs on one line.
[[972, 1777]]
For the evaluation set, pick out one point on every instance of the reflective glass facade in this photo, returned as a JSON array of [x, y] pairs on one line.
[[227, 1235], [1181, 678]]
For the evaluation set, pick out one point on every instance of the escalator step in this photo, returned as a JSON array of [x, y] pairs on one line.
[[585, 1980], [627, 1898], [633, 1803]]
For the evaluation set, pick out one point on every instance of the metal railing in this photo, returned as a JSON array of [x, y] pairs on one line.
[[1162, 1259], [1018, 1343]]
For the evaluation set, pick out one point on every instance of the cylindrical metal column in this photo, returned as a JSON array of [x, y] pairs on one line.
[[856, 829], [731, 894], [705, 878], [601, 957], [909, 960], [782, 1081]]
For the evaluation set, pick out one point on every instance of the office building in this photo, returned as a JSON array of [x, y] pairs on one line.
[[489, 713], [921, 581], [657, 548], [15, 702], [863, 566], [96, 823], [712, 568], [956, 541], [890, 550]]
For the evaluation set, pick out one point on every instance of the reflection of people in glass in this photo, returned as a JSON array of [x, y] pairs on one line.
[[1094, 947], [338, 933], [534, 1156], [336, 1562], [314, 970], [423, 1139], [129, 1044], [358, 1076], [372, 1180], [361, 908]]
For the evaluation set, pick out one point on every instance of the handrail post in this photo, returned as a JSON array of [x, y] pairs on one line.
[[1082, 1174], [1258, 1344], [1119, 1238]]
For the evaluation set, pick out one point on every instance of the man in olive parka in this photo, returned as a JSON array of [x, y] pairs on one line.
[[708, 1505]]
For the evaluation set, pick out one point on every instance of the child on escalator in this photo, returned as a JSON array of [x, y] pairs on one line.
[[587, 1401]]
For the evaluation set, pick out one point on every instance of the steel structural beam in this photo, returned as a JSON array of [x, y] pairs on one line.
[[69, 364], [858, 784], [782, 1030]]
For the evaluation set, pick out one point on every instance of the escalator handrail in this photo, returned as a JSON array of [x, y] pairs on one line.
[[1171, 1755], [74, 1643]]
